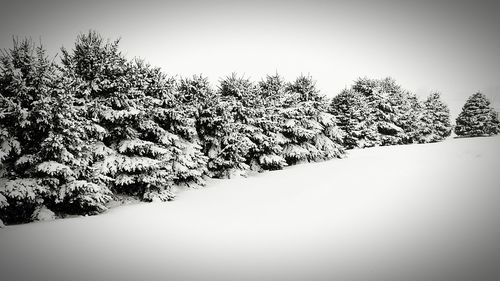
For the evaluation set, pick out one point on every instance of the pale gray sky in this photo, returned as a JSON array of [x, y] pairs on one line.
[[450, 46]]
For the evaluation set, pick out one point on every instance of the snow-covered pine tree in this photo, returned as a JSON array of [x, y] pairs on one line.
[[395, 110], [435, 124], [477, 118], [67, 155], [130, 159], [26, 82], [272, 94], [409, 111], [239, 93], [303, 89], [273, 90], [43, 159], [223, 138], [312, 133], [352, 112], [172, 123], [366, 87], [254, 122]]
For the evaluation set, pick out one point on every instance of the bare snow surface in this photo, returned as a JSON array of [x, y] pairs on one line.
[[417, 212]]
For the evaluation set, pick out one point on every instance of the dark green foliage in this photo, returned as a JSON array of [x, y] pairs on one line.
[[477, 118]]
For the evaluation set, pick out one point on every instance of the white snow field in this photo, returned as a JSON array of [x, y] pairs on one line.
[[417, 212]]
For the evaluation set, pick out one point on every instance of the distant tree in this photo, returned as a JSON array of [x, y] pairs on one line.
[[477, 118], [435, 120]]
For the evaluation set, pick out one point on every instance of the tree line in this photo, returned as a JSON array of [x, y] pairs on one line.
[[76, 133]]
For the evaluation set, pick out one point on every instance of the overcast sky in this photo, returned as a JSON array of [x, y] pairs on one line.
[[449, 46]]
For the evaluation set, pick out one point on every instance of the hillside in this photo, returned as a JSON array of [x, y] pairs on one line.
[[415, 212]]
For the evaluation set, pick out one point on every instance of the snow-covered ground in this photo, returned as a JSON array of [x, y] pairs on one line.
[[417, 212]]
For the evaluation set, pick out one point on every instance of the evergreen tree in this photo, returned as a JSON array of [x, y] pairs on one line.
[[271, 95], [273, 90], [255, 122], [408, 112], [220, 126], [68, 155], [477, 118], [130, 104], [43, 140], [171, 123], [395, 111], [312, 133], [435, 122], [303, 89], [101, 73], [352, 112], [26, 83]]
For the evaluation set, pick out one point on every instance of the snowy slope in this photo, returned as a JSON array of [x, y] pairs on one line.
[[417, 212]]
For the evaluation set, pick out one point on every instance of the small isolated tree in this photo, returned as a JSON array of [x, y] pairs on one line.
[[435, 124], [477, 118]]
